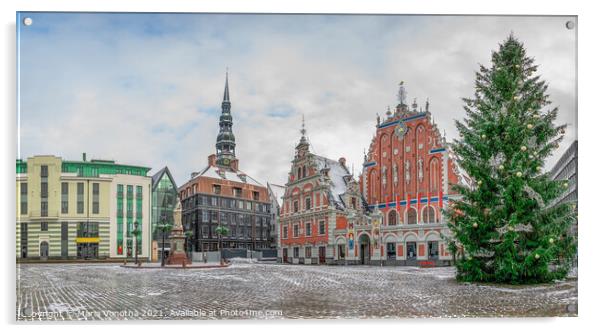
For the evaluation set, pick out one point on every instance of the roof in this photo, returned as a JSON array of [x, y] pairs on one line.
[[338, 175], [157, 176], [235, 176], [277, 191]]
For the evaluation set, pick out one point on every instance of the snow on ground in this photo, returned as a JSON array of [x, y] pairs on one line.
[[254, 290]]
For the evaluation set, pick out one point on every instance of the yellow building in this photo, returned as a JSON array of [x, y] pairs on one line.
[[81, 209]]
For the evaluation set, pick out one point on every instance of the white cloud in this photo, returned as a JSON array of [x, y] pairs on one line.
[[147, 90]]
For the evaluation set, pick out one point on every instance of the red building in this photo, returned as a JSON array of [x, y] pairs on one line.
[[320, 198], [407, 175]]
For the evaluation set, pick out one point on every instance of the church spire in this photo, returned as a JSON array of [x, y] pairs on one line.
[[226, 144], [226, 90]]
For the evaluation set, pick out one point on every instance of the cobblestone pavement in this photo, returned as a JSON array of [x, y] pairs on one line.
[[266, 291]]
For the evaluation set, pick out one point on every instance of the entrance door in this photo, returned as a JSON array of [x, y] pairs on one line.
[[433, 250], [322, 254], [364, 249], [411, 251], [44, 250], [285, 255]]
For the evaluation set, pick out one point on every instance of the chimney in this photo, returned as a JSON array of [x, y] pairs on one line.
[[84, 157], [342, 161], [212, 159]]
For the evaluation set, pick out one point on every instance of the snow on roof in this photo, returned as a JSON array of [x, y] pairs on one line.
[[217, 173], [277, 192], [337, 174]]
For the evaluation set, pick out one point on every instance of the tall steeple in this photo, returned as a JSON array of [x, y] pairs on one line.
[[226, 144]]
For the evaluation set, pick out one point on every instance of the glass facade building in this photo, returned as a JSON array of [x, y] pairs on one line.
[[164, 200]]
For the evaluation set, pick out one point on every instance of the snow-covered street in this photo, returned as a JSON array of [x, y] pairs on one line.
[[260, 291]]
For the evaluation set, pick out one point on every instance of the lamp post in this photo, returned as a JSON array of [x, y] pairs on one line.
[[165, 228]]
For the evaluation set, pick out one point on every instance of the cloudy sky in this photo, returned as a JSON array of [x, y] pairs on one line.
[[146, 89]]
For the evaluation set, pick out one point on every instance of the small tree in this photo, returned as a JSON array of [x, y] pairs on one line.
[[507, 224], [221, 231]]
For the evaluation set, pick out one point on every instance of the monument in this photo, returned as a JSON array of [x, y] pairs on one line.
[[177, 253]]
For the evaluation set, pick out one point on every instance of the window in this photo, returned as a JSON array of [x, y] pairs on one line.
[[428, 215], [23, 198], [322, 227], [307, 203], [295, 252], [44, 190], [237, 192], [308, 252], [304, 171], [44, 208], [213, 201], [44, 226], [255, 195], [412, 216], [80, 198], [308, 229], [354, 203], [296, 230], [44, 171], [217, 189], [392, 217], [64, 198], [87, 229], [285, 232], [205, 216], [295, 206], [95, 196]]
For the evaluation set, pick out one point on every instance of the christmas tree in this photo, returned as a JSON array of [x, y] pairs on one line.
[[506, 228]]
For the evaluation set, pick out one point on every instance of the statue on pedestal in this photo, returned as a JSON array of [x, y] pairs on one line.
[[177, 252]]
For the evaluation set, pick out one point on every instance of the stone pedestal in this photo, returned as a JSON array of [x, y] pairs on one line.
[[177, 252]]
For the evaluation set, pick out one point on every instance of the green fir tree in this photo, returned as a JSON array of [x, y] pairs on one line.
[[506, 228]]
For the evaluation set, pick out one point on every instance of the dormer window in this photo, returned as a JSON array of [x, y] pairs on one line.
[[217, 189]]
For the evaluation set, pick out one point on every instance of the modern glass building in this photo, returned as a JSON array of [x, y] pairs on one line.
[[164, 200]]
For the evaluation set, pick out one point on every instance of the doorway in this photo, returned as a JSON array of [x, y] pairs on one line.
[[433, 250], [285, 255], [364, 249], [322, 254], [411, 250], [44, 250]]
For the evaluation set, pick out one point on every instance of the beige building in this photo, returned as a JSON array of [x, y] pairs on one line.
[[69, 209]]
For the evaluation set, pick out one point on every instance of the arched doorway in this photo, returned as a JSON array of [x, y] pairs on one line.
[[44, 250], [364, 243]]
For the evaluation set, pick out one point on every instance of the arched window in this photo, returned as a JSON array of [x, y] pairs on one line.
[[298, 173], [304, 172], [392, 219], [307, 203], [412, 216], [429, 215]]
